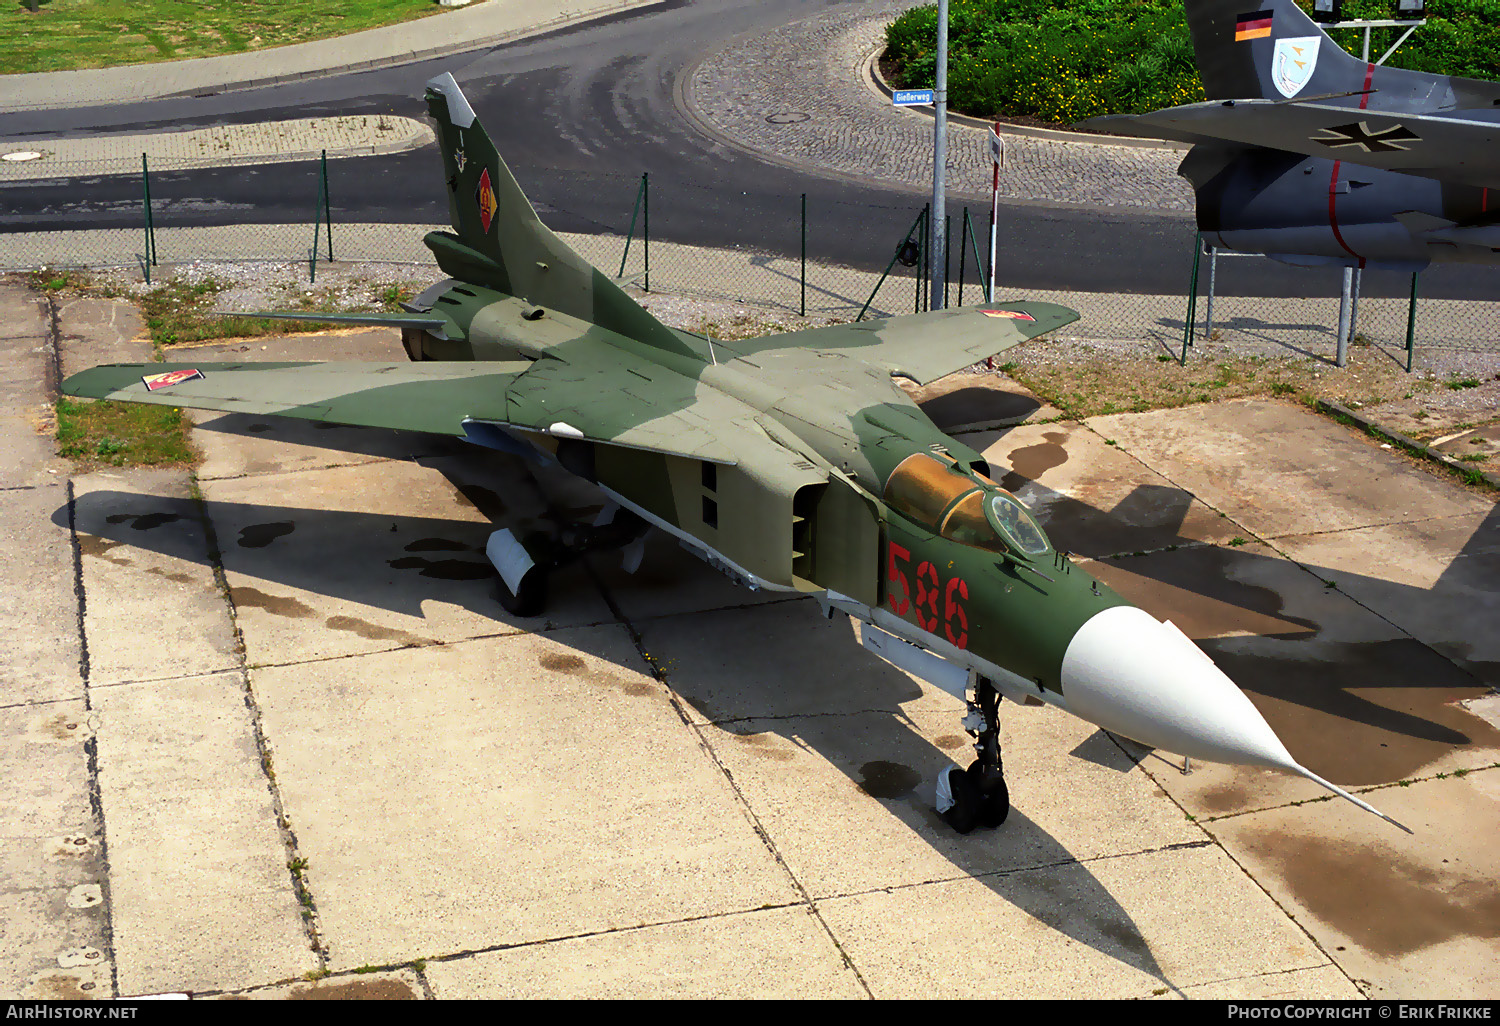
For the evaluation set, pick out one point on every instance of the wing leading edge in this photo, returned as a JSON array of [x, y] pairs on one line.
[[926, 346]]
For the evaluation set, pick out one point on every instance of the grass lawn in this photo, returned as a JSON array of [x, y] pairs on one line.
[[113, 434], [67, 34]]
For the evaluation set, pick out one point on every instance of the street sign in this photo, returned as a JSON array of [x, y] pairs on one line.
[[997, 148], [912, 97]]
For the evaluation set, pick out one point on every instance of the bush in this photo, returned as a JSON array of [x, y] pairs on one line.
[[1069, 60]]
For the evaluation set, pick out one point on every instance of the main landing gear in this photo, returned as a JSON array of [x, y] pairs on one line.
[[977, 796], [523, 563]]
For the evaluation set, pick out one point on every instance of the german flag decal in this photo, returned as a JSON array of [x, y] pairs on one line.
[[1256, 25], [484, 196]]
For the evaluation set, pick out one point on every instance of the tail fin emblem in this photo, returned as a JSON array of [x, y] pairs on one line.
[[1292, 64], [484, 196]]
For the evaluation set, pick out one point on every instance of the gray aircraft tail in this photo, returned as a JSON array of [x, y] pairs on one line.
[[499, 242], [1267, 49]]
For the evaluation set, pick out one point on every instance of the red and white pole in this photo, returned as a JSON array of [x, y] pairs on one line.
[[997, 155]]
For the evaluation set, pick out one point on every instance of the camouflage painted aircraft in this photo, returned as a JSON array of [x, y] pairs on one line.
[[1312, 156], [792, 462]]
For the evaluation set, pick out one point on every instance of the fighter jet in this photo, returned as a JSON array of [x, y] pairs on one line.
[[1312, 156], [792, 462]]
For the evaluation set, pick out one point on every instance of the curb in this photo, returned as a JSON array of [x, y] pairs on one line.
[[874, 78], [1410, 445], [389, 60]]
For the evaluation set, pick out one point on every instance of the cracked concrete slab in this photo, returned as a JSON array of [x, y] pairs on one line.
[[502, 791], [201, 895]]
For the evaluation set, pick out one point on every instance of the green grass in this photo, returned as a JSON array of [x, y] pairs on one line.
[[64, 35], [122, 434], [179, 312]]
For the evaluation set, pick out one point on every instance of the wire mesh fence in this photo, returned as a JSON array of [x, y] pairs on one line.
[[818, 257]]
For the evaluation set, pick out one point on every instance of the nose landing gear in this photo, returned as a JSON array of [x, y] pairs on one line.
[[977, 796]]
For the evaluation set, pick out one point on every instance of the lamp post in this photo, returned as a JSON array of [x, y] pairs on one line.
[[937, 250]]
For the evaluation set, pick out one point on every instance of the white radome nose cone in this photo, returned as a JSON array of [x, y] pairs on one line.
[[1134, 675]]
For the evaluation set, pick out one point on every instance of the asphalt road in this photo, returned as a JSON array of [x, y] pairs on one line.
[[580, 115]]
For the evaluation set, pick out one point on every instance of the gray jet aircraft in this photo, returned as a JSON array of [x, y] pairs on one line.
[[1310, 155]]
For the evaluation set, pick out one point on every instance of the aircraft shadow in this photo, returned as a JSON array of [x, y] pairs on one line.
[[399, 563]]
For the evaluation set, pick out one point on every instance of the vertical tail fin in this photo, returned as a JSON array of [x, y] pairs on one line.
[[499, 242], [1267, 49]]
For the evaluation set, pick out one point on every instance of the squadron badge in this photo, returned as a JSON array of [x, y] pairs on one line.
[[1292, 64]]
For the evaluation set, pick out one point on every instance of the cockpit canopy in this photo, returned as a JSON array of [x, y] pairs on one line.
[[965, 507]]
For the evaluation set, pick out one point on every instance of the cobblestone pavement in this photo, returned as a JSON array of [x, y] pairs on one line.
[[268, 142], [800, 95]]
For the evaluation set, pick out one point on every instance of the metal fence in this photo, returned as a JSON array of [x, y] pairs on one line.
[[781, 262]]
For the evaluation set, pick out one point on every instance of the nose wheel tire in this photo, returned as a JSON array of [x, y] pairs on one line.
[[530, 595], [963, 814]]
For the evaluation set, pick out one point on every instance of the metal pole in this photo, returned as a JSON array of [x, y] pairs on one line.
[[922, 251], [989, 292], [150, 254], [939, 250], [963, 244], [1192, 306], [635, 211], [646, 226], [947, 256], [1411, 323], [915, 226], [1359, 276], [327, 205], [1208, 312], [804, 254], [1342, 356]]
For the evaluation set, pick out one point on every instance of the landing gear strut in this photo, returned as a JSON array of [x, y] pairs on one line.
[[523, 564], [977, 796]]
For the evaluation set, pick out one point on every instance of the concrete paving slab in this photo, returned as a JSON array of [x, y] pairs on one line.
[[848, 800], [1134, 926], [1277, 469], [50, 845], [774, 660], [1433, 578], [402, 985], [27, 419], [41, 654], [1091, 497], [373, 556], [499, 792], [1322, 983], [200, 893], [1353, 697], [96, 331], [1406, 916], [772, 953], [56, 937], [171, 597]]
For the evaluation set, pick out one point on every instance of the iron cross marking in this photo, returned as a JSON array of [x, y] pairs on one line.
[[1397, 137]]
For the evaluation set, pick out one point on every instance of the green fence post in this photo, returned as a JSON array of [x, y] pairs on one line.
[[312, 256], [629, 235], [922, 231], [1411, 323], [804, 254], [646, 226], [150, 254], [327, 205], [984, 287], [963, 254], [947, 256], [1192, 307], [905, 240]]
